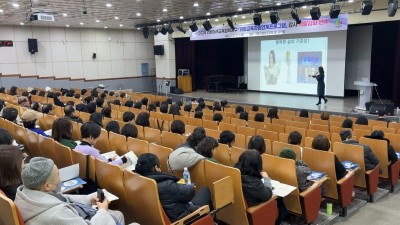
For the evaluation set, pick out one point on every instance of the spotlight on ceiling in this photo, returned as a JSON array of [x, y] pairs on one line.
[[207, 25], [163, 30], [295, 16], [230, 23], [257, 19], [145, 32], [366, 7], [170, 29], [334, 11], [154, 30], [193, 26], [392, 7], [180, 28], [274, 16], [315, 13]]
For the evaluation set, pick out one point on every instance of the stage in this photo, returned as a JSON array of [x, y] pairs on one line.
[[340, 106]]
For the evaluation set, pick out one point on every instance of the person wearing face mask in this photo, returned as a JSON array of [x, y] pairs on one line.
[[40, 202]]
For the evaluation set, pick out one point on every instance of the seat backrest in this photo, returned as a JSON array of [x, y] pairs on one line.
[[335, 124], [152, 135], [284, 171], [297, 124], [8, 211], [234, 214], [335, 137], [275, 127], [361, 127], [288, 112], [396, 126], [283, 137], [82, 160], [337, 130], [235, 154], [210, 124], [137, 146], [301, 119], [246, 131], [181, 118], [355, 154], [385, 129], [266, 134], [380, 149], [319, 122], [110, 177], [142, 198], [171, 140], [155, 115], [280, 122], [336, 118], [118, 143], [84, 116], [32, 139], [47, 147], [162, 153], [226, 126], [358, 133], [256, 125], [322, 161], [278, 146], [240, 141], [394, 141], [222, 154], [212, 133], [168, 117], [197, 174], [195, 122], [238, 122], [377, 123], [63, 155], [313, 133], [286, 117], [189, 129], [9, 126], [76, 131], [103, 144]]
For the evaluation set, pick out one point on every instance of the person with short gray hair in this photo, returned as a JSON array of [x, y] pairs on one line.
[[40, 201]]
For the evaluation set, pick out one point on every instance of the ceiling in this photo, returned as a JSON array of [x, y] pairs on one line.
[[130, 13]]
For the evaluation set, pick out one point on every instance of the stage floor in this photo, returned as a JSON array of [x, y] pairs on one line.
[[344, 105]]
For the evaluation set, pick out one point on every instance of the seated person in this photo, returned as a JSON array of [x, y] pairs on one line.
[[48, 109], [258, 143], [174, 109], [369, 157], [295, 138], [273, 113], [227, 137], [11, 114], [12, 161], [217, 117], [178, 127], [256, 184], [143, 119], [145, 101], [321, 142], [244, 116], [347, 123], [207, 148], [303, 113], [164, 108], [259, 117], [129, 130], [69, 112], [137, 105], [378, 134], [255, 108], [302, 169], [198, 114], [177, 200], [40, 202], [128, 116], [239, 109], [90, 133], [100, 102], [113, 126], [97, 118], [106, 112], [187, 107], [152, 107], [186, 155], [362, 120], [92, 107], [62, 132], [29, 121], [325, 116]]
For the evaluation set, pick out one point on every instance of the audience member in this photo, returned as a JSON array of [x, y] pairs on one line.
[[382, 116], [178, 127], [129, 104], [137, 105], [106, 112], [304, 113], [325, 116], [69, 112], [113, 126], [152, 107], [255, 108], [239, 109], [259, 117], [29, 121], [347, 123], [295, 138], [302, 169], [198, 114], [11, 114], [129, 130], [378, 134], [244, 116], [62, 132], [12, 161], [362, 120], [13, 91], [257, 142], [143, 119], [48, 109], [217, 117], [100, 102], [128, 116], [97, 118], [82, 108], [174, 110], [273, 113], [164, 108], [145, 101], [227, 137], [207, 147]]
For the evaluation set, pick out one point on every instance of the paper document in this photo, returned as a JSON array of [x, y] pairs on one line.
[[281, 189], [69, 172], [131, 157]]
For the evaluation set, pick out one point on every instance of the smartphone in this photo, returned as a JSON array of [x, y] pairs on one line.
[[100, 195]]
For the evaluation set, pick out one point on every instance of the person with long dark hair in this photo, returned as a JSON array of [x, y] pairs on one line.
[[320, 76]]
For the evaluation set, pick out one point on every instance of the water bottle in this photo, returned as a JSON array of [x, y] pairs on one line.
[[186, 176]]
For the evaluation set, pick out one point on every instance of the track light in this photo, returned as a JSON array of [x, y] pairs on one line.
[[334, 11], [170, 30], [274, 16], [145, 32], [315, 13], [180, 28], [295, 16], [392, 7], [193, 26], [163, 30], [207, 25], [257, 19], [230, 23], [154, 30], [366, 7]]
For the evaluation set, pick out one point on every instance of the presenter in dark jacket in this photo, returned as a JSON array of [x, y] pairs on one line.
[[177, 200], [320, 76]]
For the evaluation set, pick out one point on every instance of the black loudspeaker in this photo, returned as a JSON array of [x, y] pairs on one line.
[[257, 19], [334, 11], [392, 7], [315, 13], [375, 108], [389, 109], [32, 45], [274, 16], [366, 7], [368, 105], [94, 56]]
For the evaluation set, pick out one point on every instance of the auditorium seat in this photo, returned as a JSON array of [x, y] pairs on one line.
[[240, 141], [319, 122], [303, 125], [152, 135], [335, 123], [195, 122], [256, 125], [168, 117], [223, 155], [278, 128], [266, 134], [384, 129], [283, 137], [361, 127], [314, 133], [32, 140], [212, 133], [334, 118], [76, 131], [63, 155], [47, 147], [10, 214], [238, 122], [358, 133], [373, 123], [162, 153], [118, 143], [170, 140], [137, 146], [396, 126], [278, 146], [394, 140], [286, 117], [226, 126], [318, 127], [81, 159], [84, 116], [103, 144], [235, 154], [210, 124], [282, 122], [246, 131], [301, 119], [288, 112]]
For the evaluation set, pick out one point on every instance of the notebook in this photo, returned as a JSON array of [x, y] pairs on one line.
[[314, 175], [350, 165]]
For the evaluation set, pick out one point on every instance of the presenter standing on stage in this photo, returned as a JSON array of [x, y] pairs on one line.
[[320, 76]]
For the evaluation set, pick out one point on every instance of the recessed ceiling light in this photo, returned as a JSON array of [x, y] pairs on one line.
[[196, 4], [185, 22], [165, 10], [21, 23], [121, 25], [181, 17], [207, 14], [216, 20], [350, 1], [158, 20], [243, 17], [105, 27], [67, 25], [138, 28], [64, 14], [15, 5], [266, 11], [97, 21], [108, 5], [116, 17], [278, 3], [138, 14], [81, 23], [304, 7], [240, 9], [1, 10], [235, 16]]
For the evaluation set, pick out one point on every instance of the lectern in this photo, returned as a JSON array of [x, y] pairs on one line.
[[364, 93], [184, 80]]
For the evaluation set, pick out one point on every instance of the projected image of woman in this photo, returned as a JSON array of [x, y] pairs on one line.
[[272, 70], [320, 76]]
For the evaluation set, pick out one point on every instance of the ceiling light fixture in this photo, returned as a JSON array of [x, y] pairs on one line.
[[350, 1], [64, 14], [230, 23], [193, 26], [235, 16], [216, 20], [315, 13], [105, 27], [366, 7], [304, 7], [138, 14], [108, 5], [180, 28], [81, 23], [240, 9], [67, 25], [207, 25], [15, 5], [97, 21], [21, 24], [165, 10], [257, 19], [278, 3], [207, 14], [181, 17], [145, 32], [1, 10], [116, 17], [154, 30], [243, 17], [196, 4], [121, 25]]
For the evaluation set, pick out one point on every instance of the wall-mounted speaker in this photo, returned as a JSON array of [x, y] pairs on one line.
[[32, 45], [94, 56]]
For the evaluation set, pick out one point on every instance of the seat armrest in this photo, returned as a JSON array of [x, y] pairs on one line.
[[345, 188], [193, 216], [394, 172], [310, 200], [311, 189], [372, 180], [256, 214], [348, 175], [222, 192]]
